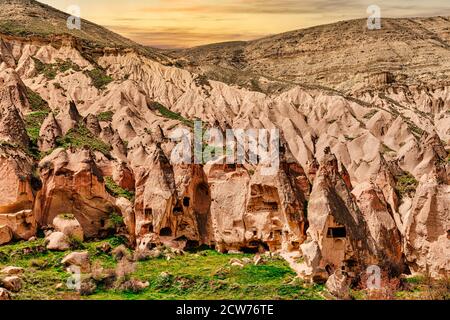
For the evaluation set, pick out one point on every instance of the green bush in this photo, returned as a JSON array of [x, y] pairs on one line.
[[406, 185], [117, 191], [173, 115], [80, 137], [99, 78], [105, 116], [50, 70], [36, 102]]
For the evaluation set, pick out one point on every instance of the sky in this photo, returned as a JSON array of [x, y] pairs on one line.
[[188, 23]]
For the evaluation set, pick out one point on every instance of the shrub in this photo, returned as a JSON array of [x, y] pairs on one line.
[[173, 115], [80, 137], [117, 191], [406, 185], [105, 116], [116, 219], [50, 70], [99, 78], [36, 102]]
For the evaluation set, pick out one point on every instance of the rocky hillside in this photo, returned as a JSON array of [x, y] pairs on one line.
[[364, 174], [344, 56]]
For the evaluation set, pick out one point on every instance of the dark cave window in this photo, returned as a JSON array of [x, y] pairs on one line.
[[177, 210], [186, 201], [102, 223], [148, 211], [338, 232], [165, 232]]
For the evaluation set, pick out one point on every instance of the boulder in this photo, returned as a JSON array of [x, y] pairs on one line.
[[4, 294], [337, 284], [22, 223], [5, 235], [12, 283], [69, 225], [80, 259], [57, 241], [12, 270]]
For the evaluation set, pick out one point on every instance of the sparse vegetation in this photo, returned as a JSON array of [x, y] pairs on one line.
[[173, 115], [99, 78], [36, 102], [33, 122], [370, 114], [385, 149], [80, 137], [117, 191], [406, 185], [66, 216], [105, 116], [50, 70]]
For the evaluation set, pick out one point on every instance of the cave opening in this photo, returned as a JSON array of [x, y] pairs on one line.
[[148, 212], [337, 232], [165, 232], [186, 201]]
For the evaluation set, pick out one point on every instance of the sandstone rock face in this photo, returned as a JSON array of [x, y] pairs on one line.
[[5, 234], [427, 244], [73, 184], [22, 224], [336, 223]]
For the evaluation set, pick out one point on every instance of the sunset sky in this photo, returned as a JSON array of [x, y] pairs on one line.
[[186, 23]]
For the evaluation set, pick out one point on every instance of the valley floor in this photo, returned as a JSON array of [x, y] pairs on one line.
[[201, 274]]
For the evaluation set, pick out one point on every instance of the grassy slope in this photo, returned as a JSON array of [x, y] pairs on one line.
[[201, 275]]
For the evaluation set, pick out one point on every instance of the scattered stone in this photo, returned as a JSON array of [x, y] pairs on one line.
[[104, 248], [12, 283], [33, 238], [87, 287], [4, 294], [257, 259], [68, 225], [5, 234], [59, 286], [57, 241], [134, 285], [12, 270], [337, 285], [80, 259], [120, 252]]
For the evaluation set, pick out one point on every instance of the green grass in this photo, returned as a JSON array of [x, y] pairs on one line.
[[105, 116], [117, 191], [33, 122], [99, 78], [36, 101], [406, 185], [80, 137], [208, 275], [203, 274], [50, 70], [166, 113]]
